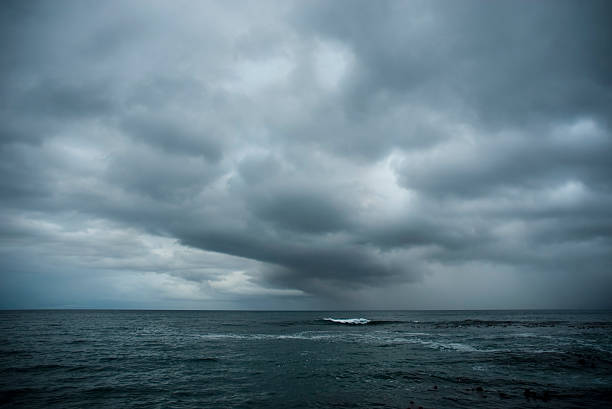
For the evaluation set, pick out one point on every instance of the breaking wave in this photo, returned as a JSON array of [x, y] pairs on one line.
[[350, 321], [361, 321]]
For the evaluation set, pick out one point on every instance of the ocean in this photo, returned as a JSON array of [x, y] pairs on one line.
[[320, 359]]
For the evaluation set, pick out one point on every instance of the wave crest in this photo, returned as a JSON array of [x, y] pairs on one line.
[[350, 321]]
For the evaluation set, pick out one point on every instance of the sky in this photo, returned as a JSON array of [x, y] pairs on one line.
[[306, 154]]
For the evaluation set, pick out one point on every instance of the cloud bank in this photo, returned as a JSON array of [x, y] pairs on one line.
[[306, 154]]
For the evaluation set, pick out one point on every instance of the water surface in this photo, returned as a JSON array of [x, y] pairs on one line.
[[231, 359]]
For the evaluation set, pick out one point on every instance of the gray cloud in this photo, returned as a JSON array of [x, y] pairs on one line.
[[505, 63], [575, 152], [306, 154]]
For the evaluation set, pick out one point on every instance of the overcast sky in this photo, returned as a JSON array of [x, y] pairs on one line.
[[306, 155]]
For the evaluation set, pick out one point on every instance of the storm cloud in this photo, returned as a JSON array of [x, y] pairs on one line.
[[332, 154]]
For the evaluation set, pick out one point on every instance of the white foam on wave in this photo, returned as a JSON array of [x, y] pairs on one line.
[[375, 338], [460, 347], [353, 321], [442, 346], [426, 340], [259, 337]]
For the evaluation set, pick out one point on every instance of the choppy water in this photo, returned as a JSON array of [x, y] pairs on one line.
[[203, 359]]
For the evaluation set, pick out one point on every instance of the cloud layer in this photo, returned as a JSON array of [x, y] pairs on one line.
[[306, 154]]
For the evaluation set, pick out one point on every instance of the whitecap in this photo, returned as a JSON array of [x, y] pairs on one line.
[[352, 321]]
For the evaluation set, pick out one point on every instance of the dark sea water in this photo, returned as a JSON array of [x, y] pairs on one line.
[[221, 359]]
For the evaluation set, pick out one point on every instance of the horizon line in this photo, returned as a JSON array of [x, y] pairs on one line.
[[2, 309]]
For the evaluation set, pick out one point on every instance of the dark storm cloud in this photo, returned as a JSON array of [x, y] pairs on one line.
[[310, 148], [538, 159], [173, 137], [299, 210], [319, 266], [161, 176], [504, 62]]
